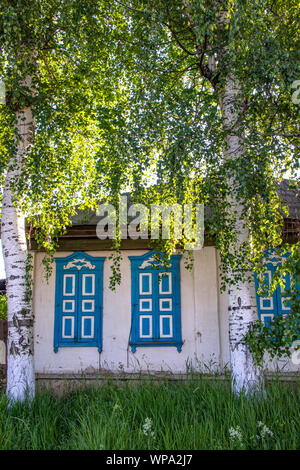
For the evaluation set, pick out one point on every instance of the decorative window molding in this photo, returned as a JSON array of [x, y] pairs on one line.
[[88, 289], [78, 301], [90, 320], [68, 306], [148, 263], [155, 303], [66, 290], [145, 320], [88, 305], [79, 263], [145, 305], [145, 283], [165, 305], [66, 333], [166, 325]]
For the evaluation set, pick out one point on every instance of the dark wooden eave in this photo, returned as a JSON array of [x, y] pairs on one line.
[[84, 238], [82, 234]]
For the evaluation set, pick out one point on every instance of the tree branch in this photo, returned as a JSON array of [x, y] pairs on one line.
[[179, 42]]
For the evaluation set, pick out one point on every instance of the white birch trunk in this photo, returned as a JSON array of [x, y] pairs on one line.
[[242, 301], [20, 365]]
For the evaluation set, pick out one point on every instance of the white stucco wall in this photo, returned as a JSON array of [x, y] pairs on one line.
[[199, 317], [204, 319]]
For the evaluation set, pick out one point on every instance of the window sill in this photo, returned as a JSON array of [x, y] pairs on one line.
[[134, 345]]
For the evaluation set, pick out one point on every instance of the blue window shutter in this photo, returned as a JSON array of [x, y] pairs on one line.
[[78, 301], [267, 306], [156, 310], [283, 302], [278, 303]]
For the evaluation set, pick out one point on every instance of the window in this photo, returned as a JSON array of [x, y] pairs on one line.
[[278, 304], [78, 301], [155, 299]]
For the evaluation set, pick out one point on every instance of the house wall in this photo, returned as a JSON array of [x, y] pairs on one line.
[[199, 316], [204, 317]]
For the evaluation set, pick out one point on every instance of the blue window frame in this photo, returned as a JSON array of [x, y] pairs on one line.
[[278, 303], [155, 303], [78, 301]]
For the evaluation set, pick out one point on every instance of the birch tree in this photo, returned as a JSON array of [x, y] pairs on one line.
[[20, 370], [103, 95], [211, 86], [55, 153]]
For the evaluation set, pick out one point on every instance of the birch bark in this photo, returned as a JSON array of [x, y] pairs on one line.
[[242, 300], [20, 363]]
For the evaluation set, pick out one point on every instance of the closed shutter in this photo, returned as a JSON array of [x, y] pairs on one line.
[[278, 303], [267, 306], [156, 313]]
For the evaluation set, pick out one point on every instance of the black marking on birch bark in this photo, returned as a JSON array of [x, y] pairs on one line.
[[14, 350], [243, 307], [22, 323], [235, 346], [26, 311], [22, 340], [12, 277], [15, 322]]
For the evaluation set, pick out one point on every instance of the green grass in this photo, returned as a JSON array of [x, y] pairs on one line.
[[197, 414]]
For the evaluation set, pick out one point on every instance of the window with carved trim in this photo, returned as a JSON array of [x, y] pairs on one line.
[[78, 301], [155, 303], [278, 303]]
